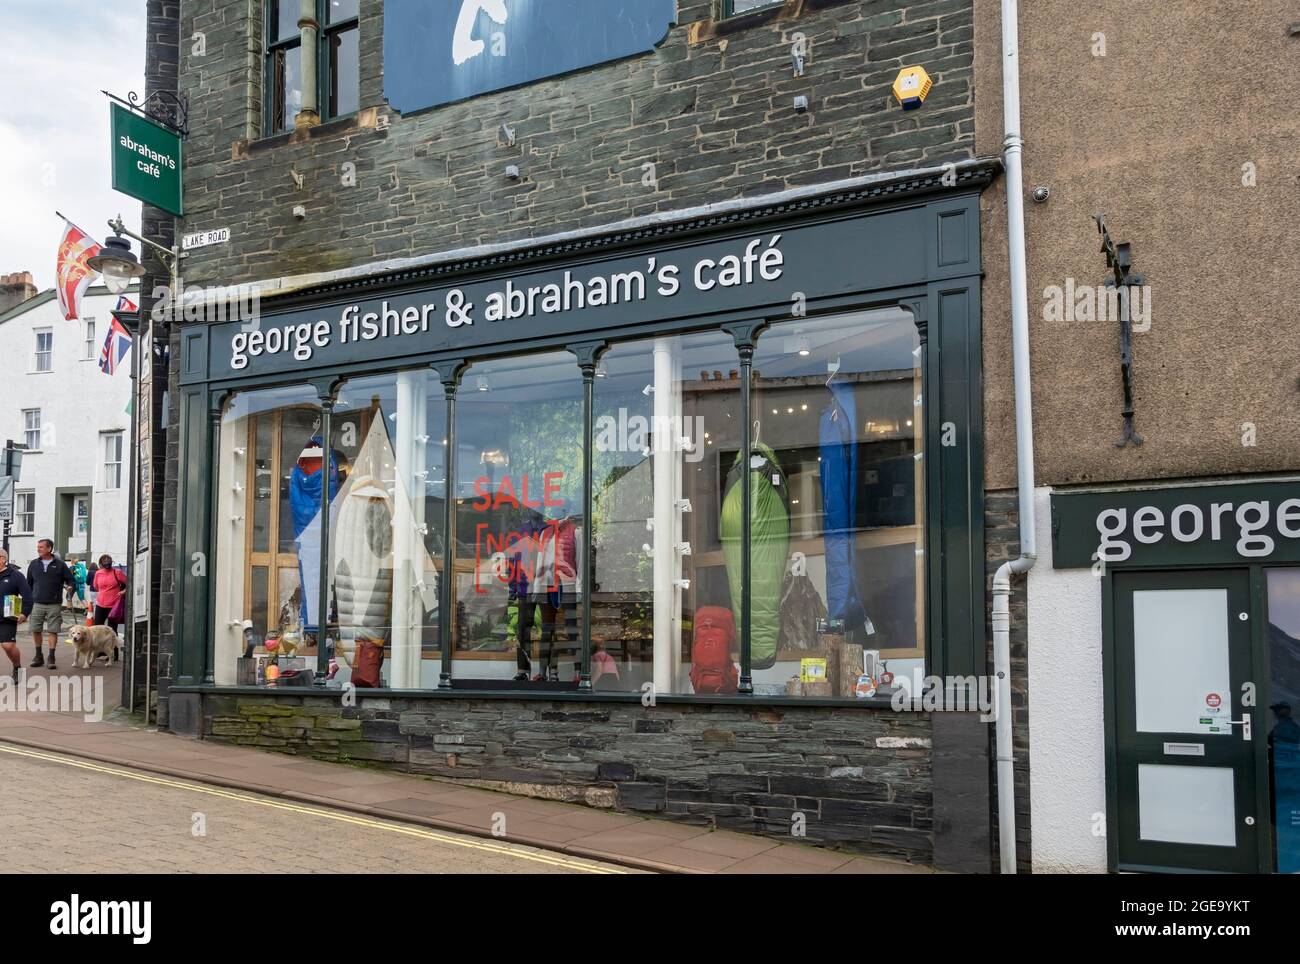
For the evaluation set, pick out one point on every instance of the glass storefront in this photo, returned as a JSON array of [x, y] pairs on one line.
[[269, 478], [836, 485], [386, 529]]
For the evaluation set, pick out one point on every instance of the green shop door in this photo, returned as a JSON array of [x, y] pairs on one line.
[[1182, 773]]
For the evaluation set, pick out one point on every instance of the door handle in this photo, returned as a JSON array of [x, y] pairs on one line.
[[1244, 723]]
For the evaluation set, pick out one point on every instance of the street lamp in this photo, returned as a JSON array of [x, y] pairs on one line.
[[119, 266]]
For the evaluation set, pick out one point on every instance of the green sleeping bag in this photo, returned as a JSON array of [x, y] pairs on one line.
[[769, 547]]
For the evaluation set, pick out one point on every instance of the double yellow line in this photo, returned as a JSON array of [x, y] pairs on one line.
[[503, 849]]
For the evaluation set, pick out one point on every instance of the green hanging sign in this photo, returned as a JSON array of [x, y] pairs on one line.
[[146, 160]]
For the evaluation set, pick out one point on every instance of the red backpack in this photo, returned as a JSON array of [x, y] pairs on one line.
[[712, 670]]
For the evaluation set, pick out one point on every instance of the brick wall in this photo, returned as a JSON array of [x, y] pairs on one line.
[[862, 778]]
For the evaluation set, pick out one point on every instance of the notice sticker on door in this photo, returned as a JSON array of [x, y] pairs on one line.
[[1213, 716]]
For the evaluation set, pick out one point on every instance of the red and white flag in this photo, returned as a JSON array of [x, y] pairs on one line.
[[73, 277]]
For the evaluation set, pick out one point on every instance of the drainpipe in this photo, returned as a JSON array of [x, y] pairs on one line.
[[1012, 149]]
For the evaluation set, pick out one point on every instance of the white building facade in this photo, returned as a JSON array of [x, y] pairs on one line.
[[74, 420]]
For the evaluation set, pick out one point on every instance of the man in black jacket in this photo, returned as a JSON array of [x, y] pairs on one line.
[[12, 584], [47, 575]]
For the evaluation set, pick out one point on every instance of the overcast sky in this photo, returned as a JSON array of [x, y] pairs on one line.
[[55, 58]]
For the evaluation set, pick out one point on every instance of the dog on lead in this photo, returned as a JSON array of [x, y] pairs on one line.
[[90, 642]]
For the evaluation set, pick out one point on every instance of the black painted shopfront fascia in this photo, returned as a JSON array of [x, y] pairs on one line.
[[910, 243]]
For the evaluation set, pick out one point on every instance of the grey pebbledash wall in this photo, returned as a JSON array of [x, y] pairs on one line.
[[861, 777]]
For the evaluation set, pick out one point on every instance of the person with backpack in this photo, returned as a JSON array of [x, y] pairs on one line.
[[110, 599], [47, 575], [15, 600]]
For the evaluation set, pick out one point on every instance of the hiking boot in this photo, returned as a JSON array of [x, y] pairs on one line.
[[521, 676], [51, 660], [38, 661], [553, 675]]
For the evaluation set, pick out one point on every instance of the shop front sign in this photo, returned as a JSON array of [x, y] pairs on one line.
[[1206, 525], [758, 271], [146, 160], [438, 53]]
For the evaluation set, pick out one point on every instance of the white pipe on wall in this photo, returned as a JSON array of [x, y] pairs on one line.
[[1013, 147]]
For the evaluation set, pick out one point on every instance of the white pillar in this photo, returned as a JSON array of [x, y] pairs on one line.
[[408, 502], [666, 517]]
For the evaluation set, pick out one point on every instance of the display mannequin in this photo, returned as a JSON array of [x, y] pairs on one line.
[[552, 589]]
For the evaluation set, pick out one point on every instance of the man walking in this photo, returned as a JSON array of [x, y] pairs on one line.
[[47, 576]]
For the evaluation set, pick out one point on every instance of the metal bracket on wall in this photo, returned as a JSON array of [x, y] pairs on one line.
[[162, 106], [1119, 260]]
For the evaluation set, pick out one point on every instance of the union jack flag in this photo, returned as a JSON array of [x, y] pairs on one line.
[[126, 304], [116, 345]]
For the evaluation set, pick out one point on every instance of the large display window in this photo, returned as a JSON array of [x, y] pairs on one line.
[[386, 534], [519, 531], [835, 484], [839, 495], [267, 531]]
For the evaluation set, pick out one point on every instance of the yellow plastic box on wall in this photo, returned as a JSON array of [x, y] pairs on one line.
[[912, 86]]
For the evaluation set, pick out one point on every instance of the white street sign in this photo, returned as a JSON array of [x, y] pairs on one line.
[[6, 498], [202, 239]]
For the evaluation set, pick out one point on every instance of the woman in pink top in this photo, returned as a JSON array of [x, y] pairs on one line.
[[108, 584]]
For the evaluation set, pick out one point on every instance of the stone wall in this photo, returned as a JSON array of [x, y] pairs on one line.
[[712, 109], [860, 777], [1002, 543]]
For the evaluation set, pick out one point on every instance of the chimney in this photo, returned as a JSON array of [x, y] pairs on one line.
[[15, 289]]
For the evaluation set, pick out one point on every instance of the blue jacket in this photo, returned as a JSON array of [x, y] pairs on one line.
[[14, 583]]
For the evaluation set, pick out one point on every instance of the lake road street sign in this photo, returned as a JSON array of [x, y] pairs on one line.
[[146, 160]]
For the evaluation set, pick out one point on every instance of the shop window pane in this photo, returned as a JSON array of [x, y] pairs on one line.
[[260, 595], [838, 505], [519, 527], [299, 432], [386, 530], [1283, 731], [344, 72], [284, 67], [268, 482], [653, 603], [340, 10], [262, 481], [283, 19]]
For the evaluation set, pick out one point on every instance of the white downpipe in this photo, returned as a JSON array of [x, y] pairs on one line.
[[1012, 149], [667, 480]]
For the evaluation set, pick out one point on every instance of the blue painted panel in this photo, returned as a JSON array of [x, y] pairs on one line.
[[440, 51]]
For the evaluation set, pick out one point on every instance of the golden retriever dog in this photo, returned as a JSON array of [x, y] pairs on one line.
[[92, 641]]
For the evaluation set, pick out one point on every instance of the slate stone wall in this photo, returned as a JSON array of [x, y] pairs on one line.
[[860, 777], [1002, 543]]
